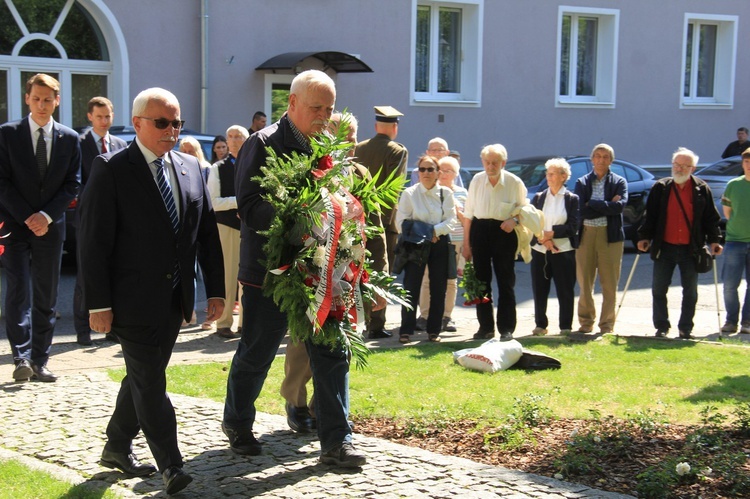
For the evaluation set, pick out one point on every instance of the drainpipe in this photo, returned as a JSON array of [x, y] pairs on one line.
[[204, 66]]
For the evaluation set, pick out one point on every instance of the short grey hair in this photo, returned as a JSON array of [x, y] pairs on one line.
[[239, 129], [494, 149], [603, 147], [684, 151], [310, 80], [560, 164], [142, 100]]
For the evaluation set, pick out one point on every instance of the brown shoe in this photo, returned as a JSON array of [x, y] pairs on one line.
[[226, 332]]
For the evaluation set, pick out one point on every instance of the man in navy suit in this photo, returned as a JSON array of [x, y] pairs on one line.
[[39, 175], [94, 141], [145, 214]]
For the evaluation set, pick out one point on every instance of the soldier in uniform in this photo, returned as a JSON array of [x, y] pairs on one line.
[[383, 154]]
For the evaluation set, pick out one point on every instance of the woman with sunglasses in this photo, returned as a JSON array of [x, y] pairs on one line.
[[431, 204]]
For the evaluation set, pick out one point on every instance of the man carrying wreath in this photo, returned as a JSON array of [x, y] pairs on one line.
[[311, 103]]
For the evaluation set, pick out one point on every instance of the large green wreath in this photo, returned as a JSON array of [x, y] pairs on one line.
[[305, 192]]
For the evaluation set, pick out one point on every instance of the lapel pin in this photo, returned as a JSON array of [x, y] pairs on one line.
[[183, 172]]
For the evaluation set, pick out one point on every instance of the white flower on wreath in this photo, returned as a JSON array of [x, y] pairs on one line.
[[682, 469], [346, 241], [358, 252], [319, 259], [341, 200]]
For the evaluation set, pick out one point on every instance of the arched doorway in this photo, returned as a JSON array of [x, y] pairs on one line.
[[76, 41]]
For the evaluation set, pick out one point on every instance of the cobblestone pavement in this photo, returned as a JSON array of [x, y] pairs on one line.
[[60, 426]]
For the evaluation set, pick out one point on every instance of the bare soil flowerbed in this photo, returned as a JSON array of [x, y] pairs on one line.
[[616, 471]]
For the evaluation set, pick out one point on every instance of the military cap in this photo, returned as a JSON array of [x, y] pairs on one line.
[[387, 114]]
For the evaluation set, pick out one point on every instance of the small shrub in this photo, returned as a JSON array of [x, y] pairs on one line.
[[742, 413], [510, 437], [649, 421]]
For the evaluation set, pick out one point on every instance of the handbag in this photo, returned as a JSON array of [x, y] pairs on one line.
[[452, 264], [702, 257]]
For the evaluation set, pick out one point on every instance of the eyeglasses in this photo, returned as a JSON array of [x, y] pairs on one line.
[[447, 171], [684, 167], [162, 123], [437, 150], [428, 169]]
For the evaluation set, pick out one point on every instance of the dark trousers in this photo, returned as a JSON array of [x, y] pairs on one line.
[[264, 326], [80, 312], [437, 267], [560, 268], [671, 256], [32, 273], [493, 248], [143, 403]]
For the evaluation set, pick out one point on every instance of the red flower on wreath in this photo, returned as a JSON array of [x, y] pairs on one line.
[[2, 247], [324, 165]]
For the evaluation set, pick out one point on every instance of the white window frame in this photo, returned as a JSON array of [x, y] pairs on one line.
[[724, 67], [268, 82], [606, 58], [116, 69], [472, 23]]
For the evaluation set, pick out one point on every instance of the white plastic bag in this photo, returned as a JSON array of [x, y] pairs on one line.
[[491, 356]]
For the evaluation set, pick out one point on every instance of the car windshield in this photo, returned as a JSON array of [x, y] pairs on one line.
[[726, 168], [531, 172]]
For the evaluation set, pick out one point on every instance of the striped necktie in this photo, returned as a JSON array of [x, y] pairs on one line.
[[166, 193], [41, 154]]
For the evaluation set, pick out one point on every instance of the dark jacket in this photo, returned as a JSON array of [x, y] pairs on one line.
[[91, 149], [255, 212], [570, 228], [705, 227], [127, 248], [595, 208]]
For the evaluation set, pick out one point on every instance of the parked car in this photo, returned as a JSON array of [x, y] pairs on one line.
[[533, 173], [127, 133], [717, 175]]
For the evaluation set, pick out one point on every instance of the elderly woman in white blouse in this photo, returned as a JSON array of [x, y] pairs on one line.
[[553, 255], [433, 204]]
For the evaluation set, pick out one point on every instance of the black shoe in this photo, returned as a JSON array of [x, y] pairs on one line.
[[484, 335], [382, 333], [41, 373], [84, 340], [345, 456], [111, 337], [685, 335], [421, 324], [23, 370], [299, 419], [661, 333], [242, 441], [175, 480], [506, 336], [127, 463], [448, 325]]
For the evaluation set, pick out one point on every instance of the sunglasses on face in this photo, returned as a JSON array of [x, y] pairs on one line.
[[428, 169], [162, 123]]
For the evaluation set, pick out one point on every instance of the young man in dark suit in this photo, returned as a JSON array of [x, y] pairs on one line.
[[39, 175], [145, 214], [94, 141]]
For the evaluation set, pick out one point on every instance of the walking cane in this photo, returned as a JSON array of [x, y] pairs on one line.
[[627, 284], [716, 284]]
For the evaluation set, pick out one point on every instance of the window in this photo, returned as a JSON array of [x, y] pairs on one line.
[[447, 51], [708, 65], [70, 40], [586, 57]]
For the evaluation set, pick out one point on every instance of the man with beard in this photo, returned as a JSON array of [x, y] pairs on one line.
[[680, 218]]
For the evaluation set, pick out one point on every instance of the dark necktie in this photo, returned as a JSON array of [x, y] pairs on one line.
[[41, 154], [166, 193], [104, 146]]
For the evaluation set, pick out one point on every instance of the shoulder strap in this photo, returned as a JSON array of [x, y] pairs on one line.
[[682, 208]]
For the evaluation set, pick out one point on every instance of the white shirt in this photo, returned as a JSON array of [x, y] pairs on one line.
[[497, 202], [418, 203], [555, 214], [214, 188], [47, 135], [168, 171]]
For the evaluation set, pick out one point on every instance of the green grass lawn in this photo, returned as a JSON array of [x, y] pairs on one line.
[[615, 376], [19, 481]]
